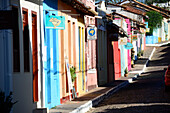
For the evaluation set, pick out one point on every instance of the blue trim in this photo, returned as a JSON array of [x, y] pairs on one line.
[[79, 46], [51, 63], [48, 68]]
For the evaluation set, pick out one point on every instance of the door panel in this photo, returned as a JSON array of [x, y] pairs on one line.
[[35, 56]]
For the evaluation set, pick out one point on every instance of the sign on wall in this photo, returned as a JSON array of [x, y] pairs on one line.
[[134, 37], [91, 33], [123, 41], [129, 45], [70, 85], [55, 22], [68, 75]]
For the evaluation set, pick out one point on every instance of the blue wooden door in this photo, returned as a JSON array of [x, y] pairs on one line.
[[52, 84]]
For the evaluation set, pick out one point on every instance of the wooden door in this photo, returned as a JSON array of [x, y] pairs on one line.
[[35, 56]]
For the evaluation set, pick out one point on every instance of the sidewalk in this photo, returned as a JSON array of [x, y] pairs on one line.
[[159, 44], [84, 102]]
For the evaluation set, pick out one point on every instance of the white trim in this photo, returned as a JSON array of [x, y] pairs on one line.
[[92, 71]]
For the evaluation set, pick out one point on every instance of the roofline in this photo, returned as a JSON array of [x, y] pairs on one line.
[[122, 1], [146, 6], [134, 12], [116, 5], [160, 8], [89, 10], [127, 18]]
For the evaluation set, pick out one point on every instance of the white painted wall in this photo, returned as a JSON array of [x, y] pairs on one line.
[[23, 81]]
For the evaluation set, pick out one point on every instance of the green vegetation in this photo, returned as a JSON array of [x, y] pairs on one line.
[[138, 54], [154, 21], [126, 71], [155, 1], [73, 73], [6, 103]]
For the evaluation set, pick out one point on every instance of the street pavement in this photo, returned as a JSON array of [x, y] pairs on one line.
[[144, 95], [92, 98]]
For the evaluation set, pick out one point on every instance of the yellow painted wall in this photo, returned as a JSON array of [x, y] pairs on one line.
[[81, 26]]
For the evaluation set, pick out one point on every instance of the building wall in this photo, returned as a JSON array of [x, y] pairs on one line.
[[68, 48], [82, 74], [169, 31], [101, 52], [90, 3], [5, 54], [90, 51], [101, 56], [123, 56], [159, 34], [23, 81], [102, 67], [51, 57], [117, 60], [129, 40]]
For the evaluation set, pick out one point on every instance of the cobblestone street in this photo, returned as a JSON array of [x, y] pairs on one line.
[[146, 94]]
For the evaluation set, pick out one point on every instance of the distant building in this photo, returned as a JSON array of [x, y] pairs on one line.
[[163, 5]]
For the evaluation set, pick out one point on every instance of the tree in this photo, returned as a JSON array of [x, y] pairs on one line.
[[154, 21]]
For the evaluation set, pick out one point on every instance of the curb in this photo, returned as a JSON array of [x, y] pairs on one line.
[[98, 99], [84, 108], [158, 45]]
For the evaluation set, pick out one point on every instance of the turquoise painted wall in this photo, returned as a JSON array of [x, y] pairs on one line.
[[153, 38], [51, 61]]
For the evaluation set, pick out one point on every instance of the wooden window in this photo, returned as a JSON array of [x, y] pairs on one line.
[[16, 47], [26, 40], [35, 56]]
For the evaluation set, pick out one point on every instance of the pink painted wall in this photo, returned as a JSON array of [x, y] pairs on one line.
[[129, 60], [90, 51], [129, 26], [144, 42], [89, 3], [129, 51]]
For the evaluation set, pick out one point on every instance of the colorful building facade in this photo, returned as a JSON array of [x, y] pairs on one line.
[[90, 49]]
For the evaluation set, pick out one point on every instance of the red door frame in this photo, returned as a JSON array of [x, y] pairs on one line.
[[117, 60]]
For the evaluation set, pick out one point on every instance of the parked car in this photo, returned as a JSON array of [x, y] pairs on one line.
[[167, 78]]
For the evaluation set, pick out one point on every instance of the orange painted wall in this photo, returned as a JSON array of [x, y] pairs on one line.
[[68, 48]]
